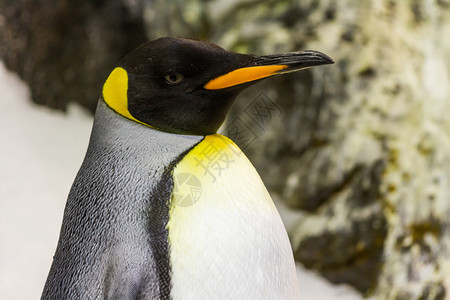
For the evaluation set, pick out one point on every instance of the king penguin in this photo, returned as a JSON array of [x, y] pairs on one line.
[[163, 207]]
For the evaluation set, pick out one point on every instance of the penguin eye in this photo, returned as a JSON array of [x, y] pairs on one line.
[[174, 78]]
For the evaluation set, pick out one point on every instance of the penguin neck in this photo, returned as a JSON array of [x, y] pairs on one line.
[[112, 129]]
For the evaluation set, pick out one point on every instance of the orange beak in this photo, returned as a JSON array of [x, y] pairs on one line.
[[265, 66]]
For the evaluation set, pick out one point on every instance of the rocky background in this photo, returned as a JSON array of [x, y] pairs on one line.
[[360, 149]]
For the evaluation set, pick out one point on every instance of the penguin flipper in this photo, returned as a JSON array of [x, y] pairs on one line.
[[142, 270]]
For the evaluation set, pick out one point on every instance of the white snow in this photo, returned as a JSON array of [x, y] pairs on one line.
[[40, 153]]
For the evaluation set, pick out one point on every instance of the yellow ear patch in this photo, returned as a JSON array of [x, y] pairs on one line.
[[115, 92], [243, 75]]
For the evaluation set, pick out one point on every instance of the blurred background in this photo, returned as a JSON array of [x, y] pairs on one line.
[[356, 155]]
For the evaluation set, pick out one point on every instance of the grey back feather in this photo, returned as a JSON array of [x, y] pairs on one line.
[[113, 241]]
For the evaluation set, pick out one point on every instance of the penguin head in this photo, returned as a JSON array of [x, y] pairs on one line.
[[186, 86]]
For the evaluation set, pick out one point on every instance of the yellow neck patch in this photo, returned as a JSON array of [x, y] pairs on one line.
[[214, 149], [115, 93], [212, 158]]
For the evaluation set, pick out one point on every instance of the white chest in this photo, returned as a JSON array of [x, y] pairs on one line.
[[227, 240]]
